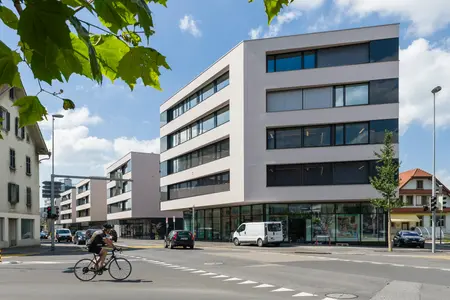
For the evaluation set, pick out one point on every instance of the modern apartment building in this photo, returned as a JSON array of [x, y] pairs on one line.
[[285, 129], [67, 207], [19, 174], [134, 206], [90, 204], [415, 191]]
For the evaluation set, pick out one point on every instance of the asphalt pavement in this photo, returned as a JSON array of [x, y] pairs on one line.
[[228, 273]]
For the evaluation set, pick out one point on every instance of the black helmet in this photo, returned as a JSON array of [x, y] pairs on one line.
[[107, 226]]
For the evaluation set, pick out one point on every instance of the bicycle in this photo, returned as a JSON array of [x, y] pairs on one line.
[[91, 271]]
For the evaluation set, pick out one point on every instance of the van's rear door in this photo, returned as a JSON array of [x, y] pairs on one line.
[[275, 233]]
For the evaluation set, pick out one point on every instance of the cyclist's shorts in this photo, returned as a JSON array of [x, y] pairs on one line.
[[95, 249]]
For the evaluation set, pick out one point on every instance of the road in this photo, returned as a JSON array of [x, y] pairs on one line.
[[244, 273]]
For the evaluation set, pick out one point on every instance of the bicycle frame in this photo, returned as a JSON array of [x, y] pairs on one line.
[[112, 258]]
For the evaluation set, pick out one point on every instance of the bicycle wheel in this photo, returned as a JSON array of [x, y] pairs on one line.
[[84, 269], [120, 269]]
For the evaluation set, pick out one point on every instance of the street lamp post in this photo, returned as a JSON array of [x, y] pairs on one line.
[[433, 183], [52, 185]]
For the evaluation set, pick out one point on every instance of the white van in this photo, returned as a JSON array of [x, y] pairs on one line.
[[260, 233]]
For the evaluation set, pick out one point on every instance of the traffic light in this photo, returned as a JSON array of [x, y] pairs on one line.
[[49, 212], [444, 202], [433, 203], [425, 208], [56, 215]]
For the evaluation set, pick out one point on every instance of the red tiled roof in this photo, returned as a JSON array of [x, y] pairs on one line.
[[406, 176]]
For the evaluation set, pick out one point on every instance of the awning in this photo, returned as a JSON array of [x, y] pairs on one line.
[[404, 218]]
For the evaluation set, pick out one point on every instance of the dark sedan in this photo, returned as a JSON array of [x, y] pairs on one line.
[[409, 238], [79, 237], [179, 238]]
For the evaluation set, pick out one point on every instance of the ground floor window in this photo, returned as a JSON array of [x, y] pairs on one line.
[[302, 222], [27, 229]]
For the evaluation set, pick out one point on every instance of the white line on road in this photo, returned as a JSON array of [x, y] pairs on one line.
[[186, 270], [247, 282], [173, 266], [397, 265], [208, 274], [282, 290], [303, 294], [221, 276], [233, 279], [198, 272], [263, 286]]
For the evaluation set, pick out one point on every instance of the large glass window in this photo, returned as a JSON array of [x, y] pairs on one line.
[[323, 227], [351, 173], [338, 96], [207, 91], [344, 55], [284, 175], [284, 100], [285, 138], [270, 64], [384, 91], [339, 135], [223, 149], [27, 229], [163, 143], [348, 228], [184, 135], [163, 119], [163, 171], [384, 50], [356, 94], [200, 186], [194, 130], [357, 133], [216, 228], [378, 129], [317, 136], [193, 100], [223, 116], [309, 60], [208, 154], [223, 81], [317, 174], [208, 123], [288, 62], [318, 98]]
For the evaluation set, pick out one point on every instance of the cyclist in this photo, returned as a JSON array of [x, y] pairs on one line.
[[97, 241]]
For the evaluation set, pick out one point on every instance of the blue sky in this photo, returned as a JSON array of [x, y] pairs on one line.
[[110, 120]]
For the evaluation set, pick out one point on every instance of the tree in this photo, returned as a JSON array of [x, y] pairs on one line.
[[386, 181], [56, 43]]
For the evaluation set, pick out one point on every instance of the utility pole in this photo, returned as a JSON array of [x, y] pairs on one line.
[[433, 195]]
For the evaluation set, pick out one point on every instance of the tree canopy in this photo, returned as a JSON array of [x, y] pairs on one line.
[[56, 43]]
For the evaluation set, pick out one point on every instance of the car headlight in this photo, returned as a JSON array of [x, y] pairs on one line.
[[422, 239]]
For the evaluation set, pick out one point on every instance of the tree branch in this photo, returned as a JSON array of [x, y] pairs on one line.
[[81, 7], [18, 6]]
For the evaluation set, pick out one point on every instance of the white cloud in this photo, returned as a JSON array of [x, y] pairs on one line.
[[77, 152], [326, 22], [422, 67], [255, 33], [426, 17], [444, 177], [188, 24]]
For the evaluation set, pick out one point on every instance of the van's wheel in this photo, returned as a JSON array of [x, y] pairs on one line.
[[236, 242], [260, 243]]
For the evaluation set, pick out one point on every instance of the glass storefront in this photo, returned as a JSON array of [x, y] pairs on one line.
[[353, 223]]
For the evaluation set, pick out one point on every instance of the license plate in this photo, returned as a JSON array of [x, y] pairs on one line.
[[184, 239]]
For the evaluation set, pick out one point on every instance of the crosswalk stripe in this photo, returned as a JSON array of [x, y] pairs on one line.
[[264, 285], [198, 272], [303, 294], [283, 290], [233, 279], [208, 274], [247, 282], [221, 276]]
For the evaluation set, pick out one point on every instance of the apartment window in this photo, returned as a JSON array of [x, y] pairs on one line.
[[29, 197], [384, 50], [384, 91], [28, 138], [424, 200], [356, 94], [284, 100], [318, 98], [223, 116], [12, 159], [13, 193], [317, 174], [200, 186], [163, 118], [284, 175], [208, 123], [317, 136], [82, 201], [22, 133], [284, 138], [343, 55], [119, 206], [163, 143], [4, 119], [163, 170], [83, 213], [16, 127], [409, 201], [83, 188], [223, 81], [12, 94], [440, 221], [357, 133], [339, 135], [209, 154], [339, 96], [27, 229], [28, 165], [419, 184], [184, 135], [351, 172], [207, 91], [288, 62], [309, 60], [378, 130]]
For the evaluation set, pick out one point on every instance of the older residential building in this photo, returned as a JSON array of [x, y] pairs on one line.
[[19, 180], [415, 190], [134, 206], [285, 129], [90, 204]]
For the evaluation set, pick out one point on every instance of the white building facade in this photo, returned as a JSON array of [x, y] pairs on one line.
[[90, 204], [284, 129], [19, 180], [134, 206], [67, 207]]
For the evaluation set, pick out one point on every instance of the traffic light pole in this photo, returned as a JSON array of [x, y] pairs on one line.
[[433, 184], [52, 188]]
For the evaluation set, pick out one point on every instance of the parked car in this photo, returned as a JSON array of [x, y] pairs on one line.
[[177, 238], [259, 233], [79, 237], [409, 238], [44, 235], [63, 235]]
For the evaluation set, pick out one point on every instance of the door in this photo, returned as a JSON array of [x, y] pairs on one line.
[[242, 234], [297, 230], [405, 226], [12, 224]]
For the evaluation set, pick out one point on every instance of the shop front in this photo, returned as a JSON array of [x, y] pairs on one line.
[[352, 223]]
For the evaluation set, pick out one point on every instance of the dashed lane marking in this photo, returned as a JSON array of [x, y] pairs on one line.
[[303, 294], [247, 282], [264, 285], [208, 274], [233, 279], [282, 290], [221, 276]]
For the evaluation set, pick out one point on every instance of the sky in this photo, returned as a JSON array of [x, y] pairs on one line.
[[110, 120]]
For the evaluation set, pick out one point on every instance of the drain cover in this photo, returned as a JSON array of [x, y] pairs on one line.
[[341, 296]]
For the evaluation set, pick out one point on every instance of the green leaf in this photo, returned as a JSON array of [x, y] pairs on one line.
[[145, 17], [84, 36], [68, 104], [162, 2], [114, 14], [131, 37], [78, 3], [8, 17], [9, 73], [26, 51], [74, 60], [110, 51], [31, 110], [273, 7], [141, 62], [44, 66], [44, 21]]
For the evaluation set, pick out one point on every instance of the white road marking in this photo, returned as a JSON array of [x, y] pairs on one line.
[[198, 271], [282, 290], [247, 282], [233, 279], [173, 266], [180, 268], [185, 270], [422, 267], [377, 263], [208, 274], [221, 276], [397, 265], [263, 286], [303, 294]]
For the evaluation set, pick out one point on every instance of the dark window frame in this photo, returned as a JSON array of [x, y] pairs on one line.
[[302, 60], [5, 124], [330, 126], [28, 165], [419, 186], [28, 199], [12, 159]]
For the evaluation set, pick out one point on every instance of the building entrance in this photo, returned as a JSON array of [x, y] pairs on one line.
[[297, 229]]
